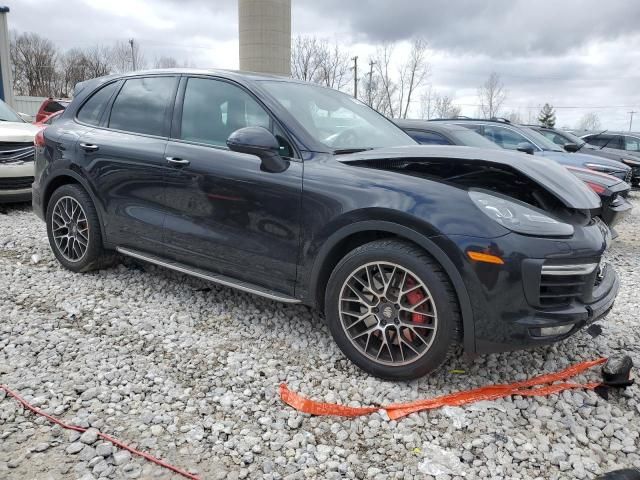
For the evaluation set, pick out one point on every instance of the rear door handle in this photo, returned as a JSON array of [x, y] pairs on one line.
[[177, 161], [89, 147]]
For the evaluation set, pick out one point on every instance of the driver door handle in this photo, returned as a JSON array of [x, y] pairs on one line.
[[88, 147], [177, 161]]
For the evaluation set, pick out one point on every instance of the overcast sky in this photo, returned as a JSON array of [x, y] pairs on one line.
[[571, 53]]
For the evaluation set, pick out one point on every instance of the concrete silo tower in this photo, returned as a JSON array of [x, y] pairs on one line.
[[265, 36]]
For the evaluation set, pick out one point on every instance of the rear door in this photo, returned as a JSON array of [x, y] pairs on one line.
[[225, 214], [124, 157]]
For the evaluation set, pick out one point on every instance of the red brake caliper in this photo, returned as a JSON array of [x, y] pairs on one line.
[[414, 297]]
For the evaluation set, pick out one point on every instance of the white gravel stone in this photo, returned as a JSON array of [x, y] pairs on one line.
[[189, 371]]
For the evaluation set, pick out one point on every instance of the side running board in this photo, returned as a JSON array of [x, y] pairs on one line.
[[219, 279]]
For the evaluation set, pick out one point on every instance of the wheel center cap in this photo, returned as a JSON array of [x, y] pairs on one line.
[[387, 311]]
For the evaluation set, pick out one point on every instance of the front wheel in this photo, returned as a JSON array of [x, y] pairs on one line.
[[391, 310]]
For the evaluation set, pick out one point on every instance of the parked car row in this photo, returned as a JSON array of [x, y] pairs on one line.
[[496, 134], [302, 194]]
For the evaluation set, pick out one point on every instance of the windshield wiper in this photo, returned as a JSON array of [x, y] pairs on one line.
[[350, 150]]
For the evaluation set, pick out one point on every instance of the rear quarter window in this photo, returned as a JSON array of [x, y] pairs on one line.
[[91, 111]]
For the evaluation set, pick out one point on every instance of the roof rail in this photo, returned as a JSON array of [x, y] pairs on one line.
[[500, 119]]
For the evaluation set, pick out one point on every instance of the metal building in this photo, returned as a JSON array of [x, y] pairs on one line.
[[265, 36], [6, 85]]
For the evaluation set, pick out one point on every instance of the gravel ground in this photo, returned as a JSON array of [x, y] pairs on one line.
[[188, 371]]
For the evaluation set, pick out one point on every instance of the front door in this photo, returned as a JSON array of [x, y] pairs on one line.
[[225, 214]]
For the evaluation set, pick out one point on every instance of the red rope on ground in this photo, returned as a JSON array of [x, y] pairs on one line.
[[108, 438], [544, 385]]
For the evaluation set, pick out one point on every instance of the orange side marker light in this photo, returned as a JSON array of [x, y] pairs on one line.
[[485, 257]]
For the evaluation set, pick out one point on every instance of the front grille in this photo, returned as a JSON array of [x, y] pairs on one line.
[[16, 152], [628, 176], [15, 183], [560, 284]]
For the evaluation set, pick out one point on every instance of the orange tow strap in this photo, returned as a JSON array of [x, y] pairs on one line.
[[544, 386]]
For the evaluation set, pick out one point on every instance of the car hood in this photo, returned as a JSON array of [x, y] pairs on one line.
[[579, 159], [18, 132], [548, 174]]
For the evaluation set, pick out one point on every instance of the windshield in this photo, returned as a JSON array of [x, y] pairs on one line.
[[543, 142], [335, 119], [469, 138], [7, 114]]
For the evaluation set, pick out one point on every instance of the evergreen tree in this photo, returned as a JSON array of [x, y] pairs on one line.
[[547, 117]]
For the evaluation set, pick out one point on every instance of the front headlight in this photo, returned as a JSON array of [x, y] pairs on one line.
[[518, 216], [603, 168]]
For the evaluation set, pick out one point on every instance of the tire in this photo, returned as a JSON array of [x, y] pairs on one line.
[[77, 258], [436, 297]]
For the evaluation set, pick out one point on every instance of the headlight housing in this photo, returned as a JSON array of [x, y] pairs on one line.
[[518, 216], [603, 168], [631, 162]]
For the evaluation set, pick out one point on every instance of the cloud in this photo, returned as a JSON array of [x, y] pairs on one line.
[[570, 52], [495, 28]]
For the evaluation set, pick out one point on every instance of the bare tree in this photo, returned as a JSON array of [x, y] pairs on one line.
[[305, 63], [445, 108], [399, 90], [34, 61], [165, 62], [315, 60], [334, 65], [589, 121], [123, 57], [412, 74], [388, 86], [492, 96], [427, 103]]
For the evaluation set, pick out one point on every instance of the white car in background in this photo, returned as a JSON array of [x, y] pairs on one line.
[[16, 155]]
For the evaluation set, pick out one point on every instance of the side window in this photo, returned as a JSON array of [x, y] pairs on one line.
[[505, 138], [92, 109], [632, 143], [142, 105], [428, 138], [212, 110], [554, 137], [597, 140], [475, 128]]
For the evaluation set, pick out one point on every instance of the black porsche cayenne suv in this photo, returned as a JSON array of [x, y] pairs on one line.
[[300, 193]]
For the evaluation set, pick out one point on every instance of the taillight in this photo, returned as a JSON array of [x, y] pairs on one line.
[[38, 141], [596, 187]]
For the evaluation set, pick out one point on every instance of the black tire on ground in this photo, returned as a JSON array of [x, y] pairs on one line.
[[417, 261], [95, 256]]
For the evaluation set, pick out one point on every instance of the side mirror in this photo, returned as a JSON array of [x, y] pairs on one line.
[[27, 118], [571, 147], [260, 142], [525, 147]]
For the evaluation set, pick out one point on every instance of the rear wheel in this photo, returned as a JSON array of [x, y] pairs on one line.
[[391, 310], [73, 228]]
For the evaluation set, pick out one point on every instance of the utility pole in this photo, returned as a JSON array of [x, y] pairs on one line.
[[133, 54], [631, 119], [370, 87], [355, 76]]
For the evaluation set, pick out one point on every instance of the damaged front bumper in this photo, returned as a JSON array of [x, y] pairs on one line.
[[547, 289]]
